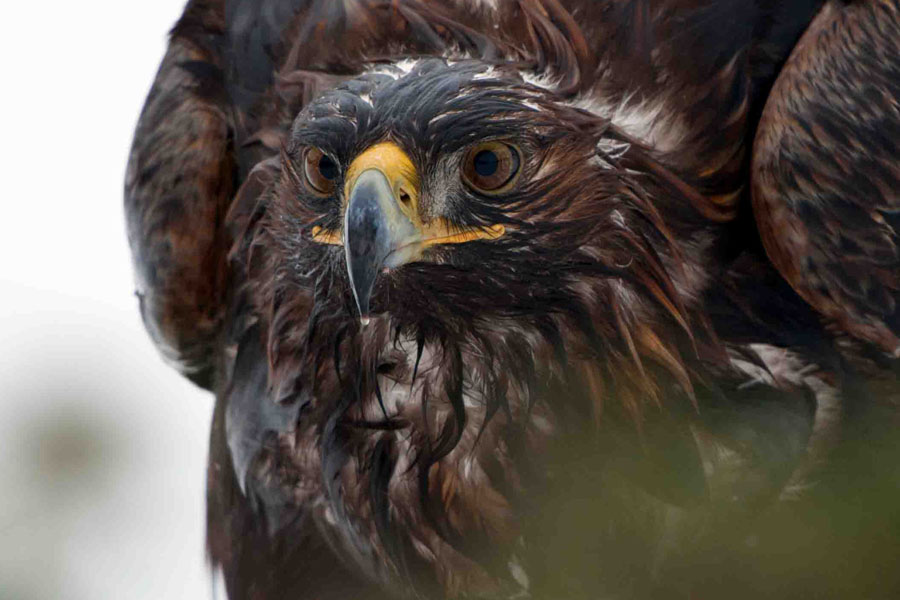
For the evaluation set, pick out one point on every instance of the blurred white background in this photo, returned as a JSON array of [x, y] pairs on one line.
[[102, 447]]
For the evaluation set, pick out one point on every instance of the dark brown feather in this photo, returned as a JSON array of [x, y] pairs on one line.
[[179, 184], [610, 396], [826, 174]]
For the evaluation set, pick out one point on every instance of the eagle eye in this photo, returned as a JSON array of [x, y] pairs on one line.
[[491, 167], [320, 171]]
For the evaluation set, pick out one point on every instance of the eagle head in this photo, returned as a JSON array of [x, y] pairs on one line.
[[451, 257], [461, 205], [444, 196]]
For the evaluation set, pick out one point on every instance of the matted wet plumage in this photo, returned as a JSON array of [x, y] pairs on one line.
[[531, 298]]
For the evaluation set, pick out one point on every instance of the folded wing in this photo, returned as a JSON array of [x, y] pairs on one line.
[[826, 170]]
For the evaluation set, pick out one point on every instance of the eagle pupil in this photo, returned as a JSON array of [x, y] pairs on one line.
[[327, 168], [486, 163]]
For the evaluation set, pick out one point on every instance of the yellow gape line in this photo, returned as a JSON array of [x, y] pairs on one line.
[[397, 167]]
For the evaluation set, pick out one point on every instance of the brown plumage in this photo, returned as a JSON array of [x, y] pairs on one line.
[[480, 292], [832, 230]]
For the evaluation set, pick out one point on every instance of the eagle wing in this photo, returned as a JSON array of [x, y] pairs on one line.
[[179, 183], [826, 172]]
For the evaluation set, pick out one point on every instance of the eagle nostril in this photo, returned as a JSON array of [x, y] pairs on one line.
[[405, 198]]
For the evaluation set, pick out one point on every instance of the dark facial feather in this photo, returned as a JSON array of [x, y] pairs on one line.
[[579, 279]]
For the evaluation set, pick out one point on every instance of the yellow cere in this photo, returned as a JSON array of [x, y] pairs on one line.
[[403, 177]]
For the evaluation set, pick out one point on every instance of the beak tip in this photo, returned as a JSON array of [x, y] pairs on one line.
[[373, 229], [362, 306]]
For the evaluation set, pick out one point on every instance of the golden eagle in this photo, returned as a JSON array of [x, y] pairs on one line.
[[533, 298]]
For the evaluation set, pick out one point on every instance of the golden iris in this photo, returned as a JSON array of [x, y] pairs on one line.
[[320, 171], [491, 167]]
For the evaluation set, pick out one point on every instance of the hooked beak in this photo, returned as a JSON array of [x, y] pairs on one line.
[[382, 226], [377, 235]]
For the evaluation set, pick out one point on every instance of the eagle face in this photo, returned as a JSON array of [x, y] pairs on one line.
[[447, 267], [446, 192]]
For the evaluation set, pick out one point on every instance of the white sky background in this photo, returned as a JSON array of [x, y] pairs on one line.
[[102, 447]]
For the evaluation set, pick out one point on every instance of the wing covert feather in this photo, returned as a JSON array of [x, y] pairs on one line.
[[826, 169], [178, 185]]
